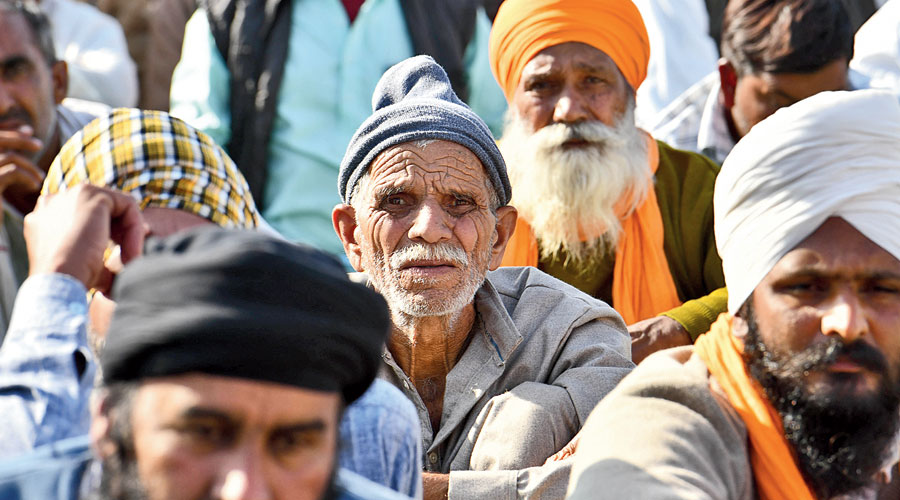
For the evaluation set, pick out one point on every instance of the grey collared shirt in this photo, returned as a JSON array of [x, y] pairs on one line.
[[541, 356]]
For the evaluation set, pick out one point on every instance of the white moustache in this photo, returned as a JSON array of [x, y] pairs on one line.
[[595, 132], [443, 252]]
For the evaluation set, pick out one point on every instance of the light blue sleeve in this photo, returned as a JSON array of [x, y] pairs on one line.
[[381, 440], [46, 368], [201, 83], [485, 96]]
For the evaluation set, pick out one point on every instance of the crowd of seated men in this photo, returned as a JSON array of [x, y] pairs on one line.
[[525, 284]]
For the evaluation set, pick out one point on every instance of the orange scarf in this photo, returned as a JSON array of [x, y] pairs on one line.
[[774, 468], [642, 283]]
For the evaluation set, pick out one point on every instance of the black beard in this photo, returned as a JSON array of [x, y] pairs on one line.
[[119, 479], [840, 443]]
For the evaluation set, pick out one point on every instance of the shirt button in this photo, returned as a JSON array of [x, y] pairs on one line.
[[432, 457]]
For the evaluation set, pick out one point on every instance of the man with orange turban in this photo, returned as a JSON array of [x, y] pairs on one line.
[[602, 205]]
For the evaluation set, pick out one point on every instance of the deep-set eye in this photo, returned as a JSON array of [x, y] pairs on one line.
[[15, 69], [287, 442], [207, 434]]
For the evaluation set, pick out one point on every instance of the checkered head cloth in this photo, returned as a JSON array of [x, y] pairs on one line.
[[161, 161]]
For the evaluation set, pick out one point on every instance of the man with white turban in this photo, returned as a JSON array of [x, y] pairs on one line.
[[794, 393]]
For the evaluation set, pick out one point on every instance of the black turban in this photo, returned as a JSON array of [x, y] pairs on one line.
[[240, 304]]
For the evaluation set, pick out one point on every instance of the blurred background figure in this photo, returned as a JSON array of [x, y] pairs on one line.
[[154, 30], [876, 57], [681, 53], [774, 53], [93, 45], [858, 12], [284, 88]]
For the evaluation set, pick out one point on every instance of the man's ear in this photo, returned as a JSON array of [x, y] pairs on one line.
[[739, 323], [506, 224], [60, 73], [101, 427], [728, 79], [343, 217]]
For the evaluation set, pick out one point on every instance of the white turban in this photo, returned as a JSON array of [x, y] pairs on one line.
[[833, 154]]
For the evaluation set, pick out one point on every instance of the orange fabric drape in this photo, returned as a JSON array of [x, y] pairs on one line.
[[642, 282], [522, 247], [774, 468]]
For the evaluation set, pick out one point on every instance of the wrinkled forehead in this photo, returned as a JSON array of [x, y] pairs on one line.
[[570, 54], [431, 165]]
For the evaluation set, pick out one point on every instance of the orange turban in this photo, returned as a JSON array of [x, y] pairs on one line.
[[523, 28]]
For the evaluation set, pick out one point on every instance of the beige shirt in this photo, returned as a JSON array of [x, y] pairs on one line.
[[667, 432], [664, 433], [542, 355]]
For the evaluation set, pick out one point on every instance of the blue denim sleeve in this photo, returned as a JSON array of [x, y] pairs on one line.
[[381, 439], [46, 368]]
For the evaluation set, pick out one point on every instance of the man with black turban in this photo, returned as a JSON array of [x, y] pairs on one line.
[[228, 363]]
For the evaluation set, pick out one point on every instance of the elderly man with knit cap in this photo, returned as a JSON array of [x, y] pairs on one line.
[[602, 206], [795, 392], [502, 366], [229, 360]]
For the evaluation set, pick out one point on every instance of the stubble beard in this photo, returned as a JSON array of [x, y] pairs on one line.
[[569, 194], [412, 301], [840, 443]]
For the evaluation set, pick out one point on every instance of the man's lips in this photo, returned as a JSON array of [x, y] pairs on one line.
[[426, 264], [575, 143], [844, 364]]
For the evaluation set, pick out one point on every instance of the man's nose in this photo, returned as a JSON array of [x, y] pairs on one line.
[[844, 316], [430, 223], [242, 478], [6, 99], [570, 107]]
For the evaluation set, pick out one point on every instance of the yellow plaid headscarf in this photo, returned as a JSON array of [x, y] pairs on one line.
[[161, 161]]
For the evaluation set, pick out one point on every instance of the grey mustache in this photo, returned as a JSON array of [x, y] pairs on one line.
[[421, 251]]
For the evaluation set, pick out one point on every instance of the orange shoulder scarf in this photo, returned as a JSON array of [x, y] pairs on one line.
[[642, 283], [774, 468]]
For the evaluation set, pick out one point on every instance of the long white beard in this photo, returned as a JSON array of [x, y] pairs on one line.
[[568, 195]]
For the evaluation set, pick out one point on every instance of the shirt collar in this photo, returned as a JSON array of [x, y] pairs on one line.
[[714, 137], [499, 329]]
